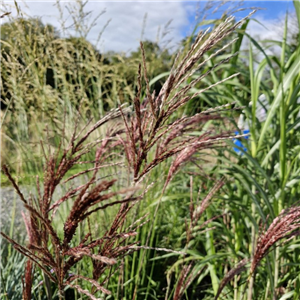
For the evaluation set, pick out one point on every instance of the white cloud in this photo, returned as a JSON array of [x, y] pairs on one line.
[[124, 30], [127, 17]]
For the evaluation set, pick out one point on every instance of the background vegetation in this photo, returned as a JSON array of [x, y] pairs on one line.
[[47, 78]]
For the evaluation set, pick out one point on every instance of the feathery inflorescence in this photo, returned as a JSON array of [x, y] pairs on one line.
[[150, 126]]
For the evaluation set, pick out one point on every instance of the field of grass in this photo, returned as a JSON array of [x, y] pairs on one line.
[[125, 173]]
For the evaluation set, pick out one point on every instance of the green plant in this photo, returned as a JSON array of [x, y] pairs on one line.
[[265, 185], [152, 134]]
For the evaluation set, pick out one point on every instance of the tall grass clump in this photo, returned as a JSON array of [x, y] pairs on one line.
[[263, 191], [42, 76], [64, 237], [46, 71]]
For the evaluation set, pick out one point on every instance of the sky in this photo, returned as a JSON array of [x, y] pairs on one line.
[[122, 24]]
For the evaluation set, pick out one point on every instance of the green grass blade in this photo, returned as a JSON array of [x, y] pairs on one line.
[[290, 76], [297, 9]]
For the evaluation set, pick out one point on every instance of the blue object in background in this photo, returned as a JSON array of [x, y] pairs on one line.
[[239, 143]]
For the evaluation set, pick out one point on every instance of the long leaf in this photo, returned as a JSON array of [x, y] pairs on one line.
[[292, 73]]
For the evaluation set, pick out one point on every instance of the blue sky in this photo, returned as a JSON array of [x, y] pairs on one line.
[[126, 18], [273, 9], [270, 11]]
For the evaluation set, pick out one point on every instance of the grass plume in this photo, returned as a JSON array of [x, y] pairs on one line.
[[137, 139]]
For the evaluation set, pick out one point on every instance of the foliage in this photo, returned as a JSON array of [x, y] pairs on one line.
[[153, 134], [263, 183], [224, 215], [49, 75]]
